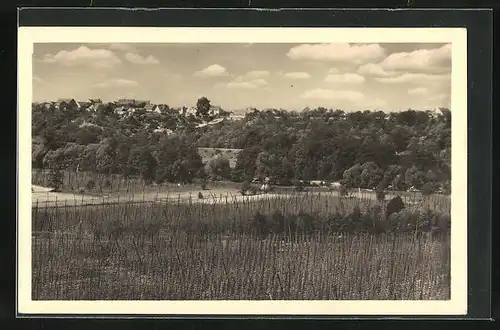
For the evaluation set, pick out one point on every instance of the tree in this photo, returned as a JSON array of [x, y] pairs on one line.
[[219, 168], [56, 179], [246, 164], [352, 176], [203, 107], [371, 175], [177, 160], [142, 162], [390, 174], [414, 177]]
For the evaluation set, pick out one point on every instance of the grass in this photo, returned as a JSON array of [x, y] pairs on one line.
[[289, 247]]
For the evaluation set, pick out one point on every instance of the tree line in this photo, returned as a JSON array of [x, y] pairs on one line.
[[367, 149]]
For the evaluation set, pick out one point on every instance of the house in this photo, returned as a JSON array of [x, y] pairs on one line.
[[152, 108], [95, 100], [95, 107], [167, 131], [215, 110], [67, 103], [84, 104], [141, 103], [120, 111], [125, 102]]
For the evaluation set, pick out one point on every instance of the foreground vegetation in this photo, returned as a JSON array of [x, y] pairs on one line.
[[307, 245], [303, 246]]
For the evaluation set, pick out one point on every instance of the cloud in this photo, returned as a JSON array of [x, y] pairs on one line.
[[331, 94], [372, 70], [251, 84], [118, 82], [334, 70], [138, 59], [129, 48], [418, 91], [241, 85], [339, 52], [256, 74], [214, 70], [346, 78], [96, 58], [297, 75], [436, 60], [415, 78]]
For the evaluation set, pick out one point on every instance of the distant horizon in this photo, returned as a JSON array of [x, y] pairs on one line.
[[386, 77], [242, 110]]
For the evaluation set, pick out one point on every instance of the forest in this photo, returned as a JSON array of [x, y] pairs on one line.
[[366, 149]]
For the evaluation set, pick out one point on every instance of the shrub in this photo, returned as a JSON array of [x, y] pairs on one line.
[[380, 192], [90, 184], [298, 185], [395, 205], [428, 189], [380, 195], [245, 187], [56, 179], [204, 185], [343, 191]]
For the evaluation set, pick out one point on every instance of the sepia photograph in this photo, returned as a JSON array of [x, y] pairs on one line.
[[256, 166]]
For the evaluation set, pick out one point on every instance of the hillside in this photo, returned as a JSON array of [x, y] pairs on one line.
[[366, 149]]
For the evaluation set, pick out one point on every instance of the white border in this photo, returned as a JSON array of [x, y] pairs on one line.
[[457, 305]]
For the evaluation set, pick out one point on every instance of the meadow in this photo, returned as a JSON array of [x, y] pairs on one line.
[[286, 246]]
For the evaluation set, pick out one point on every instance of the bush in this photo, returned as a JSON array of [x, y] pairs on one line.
[[245, 187], [298, 185], [380, 195], [395, 205], [90, 184], [343, 191], [56, 179], [428, 189]]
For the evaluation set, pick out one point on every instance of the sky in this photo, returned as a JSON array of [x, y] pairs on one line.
[[388, 77]]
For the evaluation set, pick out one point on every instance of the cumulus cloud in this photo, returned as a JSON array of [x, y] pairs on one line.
[[256, 74], [346, 78], [418, 91], [138, 59], [334, 70], [241, 85], [214, 70], [297, 75], [118, 82], [331, 94], [372, 70], [96, 58], [415, 78], [250, 84], [436, 60], [338, 52]]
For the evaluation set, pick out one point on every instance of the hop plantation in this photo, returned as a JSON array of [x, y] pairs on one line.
[[283, 246], [164, 216]]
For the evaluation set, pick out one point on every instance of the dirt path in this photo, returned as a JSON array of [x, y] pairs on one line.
[[213, 196]]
